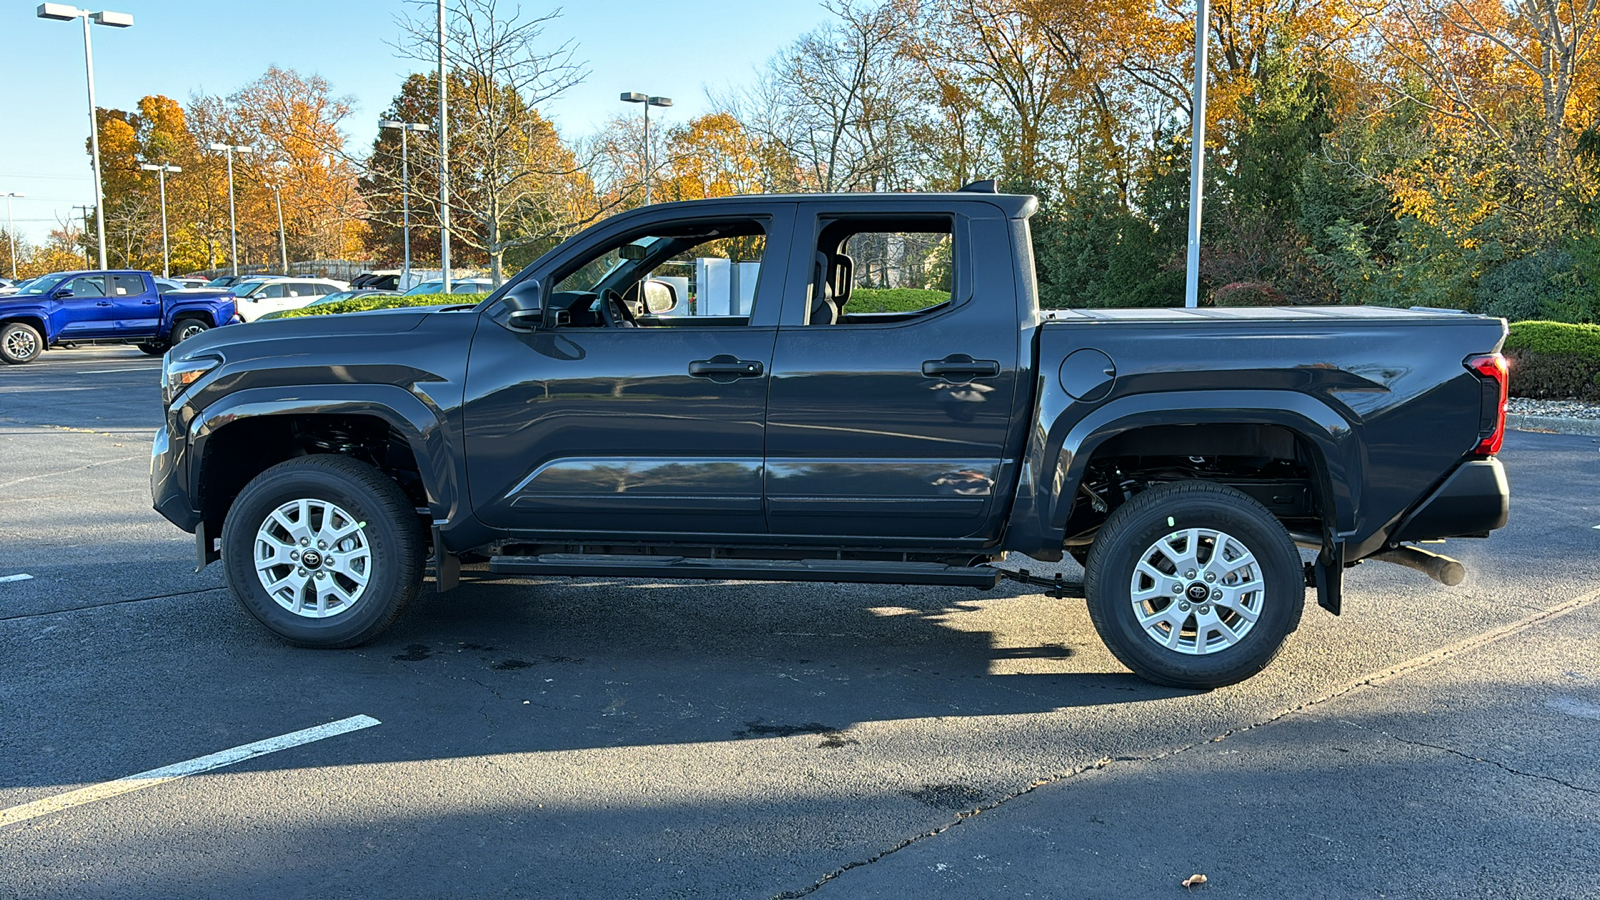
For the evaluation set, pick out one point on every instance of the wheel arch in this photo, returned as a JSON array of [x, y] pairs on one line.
[[247, 432]]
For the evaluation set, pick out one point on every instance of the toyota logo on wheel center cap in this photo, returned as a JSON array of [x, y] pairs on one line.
[[1198, 592], [311, 559]]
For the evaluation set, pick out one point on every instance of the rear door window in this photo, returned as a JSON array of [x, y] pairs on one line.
[[127, 285]]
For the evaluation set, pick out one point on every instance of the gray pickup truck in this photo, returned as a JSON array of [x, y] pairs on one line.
[[697, 390]]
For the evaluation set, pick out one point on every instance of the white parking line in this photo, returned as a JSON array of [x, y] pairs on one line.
[[20, 577], [124, 369], [138, 782]]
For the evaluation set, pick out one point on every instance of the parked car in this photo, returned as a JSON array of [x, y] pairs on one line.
[[384, 280], [90, 307], [579, 422], [351, 295], [190, 282], [7, 286], [257, 298], [457, 286]]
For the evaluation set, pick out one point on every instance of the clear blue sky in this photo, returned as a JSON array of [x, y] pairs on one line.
[[677, 48]]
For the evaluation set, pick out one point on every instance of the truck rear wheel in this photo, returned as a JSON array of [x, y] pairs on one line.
[[1194, 585], [20, 343], [183, 329], [325, 551]]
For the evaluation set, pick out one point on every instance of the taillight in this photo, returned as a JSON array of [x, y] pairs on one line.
[[1492, 414]]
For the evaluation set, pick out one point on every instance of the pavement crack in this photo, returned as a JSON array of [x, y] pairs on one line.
[[935, 832], [1499, 765], [72, 609]]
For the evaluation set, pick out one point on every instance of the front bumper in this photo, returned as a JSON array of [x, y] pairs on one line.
[[169, 489], [1472, 502]]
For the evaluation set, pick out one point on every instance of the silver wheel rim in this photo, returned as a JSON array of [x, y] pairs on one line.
[[189, 331], [21, 344], [1197, 591], [313, 559]]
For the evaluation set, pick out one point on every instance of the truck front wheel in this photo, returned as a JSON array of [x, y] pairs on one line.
[[325, 551], [20, 343], [1194, 585]]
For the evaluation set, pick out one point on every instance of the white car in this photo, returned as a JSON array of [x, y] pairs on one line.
[[257, 298]]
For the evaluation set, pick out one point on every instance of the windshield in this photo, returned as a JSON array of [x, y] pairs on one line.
[[597, 270], [427, 287], [249, 288], [41, 285]]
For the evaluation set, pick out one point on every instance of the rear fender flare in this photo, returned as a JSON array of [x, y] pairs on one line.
[[421, 424], [1332, 438]]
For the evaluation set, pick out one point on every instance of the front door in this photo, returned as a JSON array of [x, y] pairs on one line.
[[894, 387], [85, 312], [622, 415]]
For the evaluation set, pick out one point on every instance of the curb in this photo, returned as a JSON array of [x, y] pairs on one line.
[[1557, 424]]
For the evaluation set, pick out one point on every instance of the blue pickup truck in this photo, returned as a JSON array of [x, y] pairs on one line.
[[122, 306]]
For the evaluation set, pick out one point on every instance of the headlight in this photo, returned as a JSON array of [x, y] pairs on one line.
[[177, 375]]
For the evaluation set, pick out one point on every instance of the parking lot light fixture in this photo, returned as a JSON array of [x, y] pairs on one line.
[[233, 225], [161, 177], [62, 12], [648, 101], [11, 232], [405, 188]]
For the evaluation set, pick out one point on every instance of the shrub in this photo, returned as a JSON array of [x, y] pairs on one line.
[[882, 300], [1554, 360], [362, 304]]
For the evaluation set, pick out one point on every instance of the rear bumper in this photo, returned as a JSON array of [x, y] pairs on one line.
[[1473, 501]]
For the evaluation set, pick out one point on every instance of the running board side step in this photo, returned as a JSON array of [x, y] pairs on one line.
[[690, 567]]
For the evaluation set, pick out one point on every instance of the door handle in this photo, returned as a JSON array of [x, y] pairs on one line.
[[723, 367], [960, 365], [103, 303]]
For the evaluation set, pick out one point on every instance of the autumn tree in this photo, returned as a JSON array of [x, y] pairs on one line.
[[521, 185]]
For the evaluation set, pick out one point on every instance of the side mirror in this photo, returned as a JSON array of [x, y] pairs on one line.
[[525, 304], [660, 296], [63, 293]]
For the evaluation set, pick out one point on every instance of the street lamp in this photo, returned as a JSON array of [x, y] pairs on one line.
[[648, 101], [61, 12], [233, 228], [11, 232], [444, 158], [161, 176], [283, 241], [405, 189]]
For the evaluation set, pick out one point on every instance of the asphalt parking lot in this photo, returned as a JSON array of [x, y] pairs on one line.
[[605, 738]]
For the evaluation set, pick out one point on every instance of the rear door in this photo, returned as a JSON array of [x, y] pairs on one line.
[[891, 412], [136, 305]]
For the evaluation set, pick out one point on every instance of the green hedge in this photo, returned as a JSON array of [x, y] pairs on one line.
[[361, 304], [1554, 360], [882, 300]]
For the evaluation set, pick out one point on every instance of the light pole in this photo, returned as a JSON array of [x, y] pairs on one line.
[[444, 160], [61, 12], [1197, 161], [11, 233], [405, 188], [233, 227], [283, 240], [648, 101], [161, 177]]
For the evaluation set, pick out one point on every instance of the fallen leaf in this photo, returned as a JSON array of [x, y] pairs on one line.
[[1194, 880]]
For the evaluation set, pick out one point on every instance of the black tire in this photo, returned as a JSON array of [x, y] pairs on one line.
[[183, 329], [387, 525], [1203, 656], [153, 348], [20, 343]]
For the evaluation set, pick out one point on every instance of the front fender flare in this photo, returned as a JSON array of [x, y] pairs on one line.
[[419, 422]]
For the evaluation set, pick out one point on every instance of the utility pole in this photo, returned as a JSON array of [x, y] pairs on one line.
[[283, 240], [87, 262], [1197, 161], [161, 176], [11, 232]]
